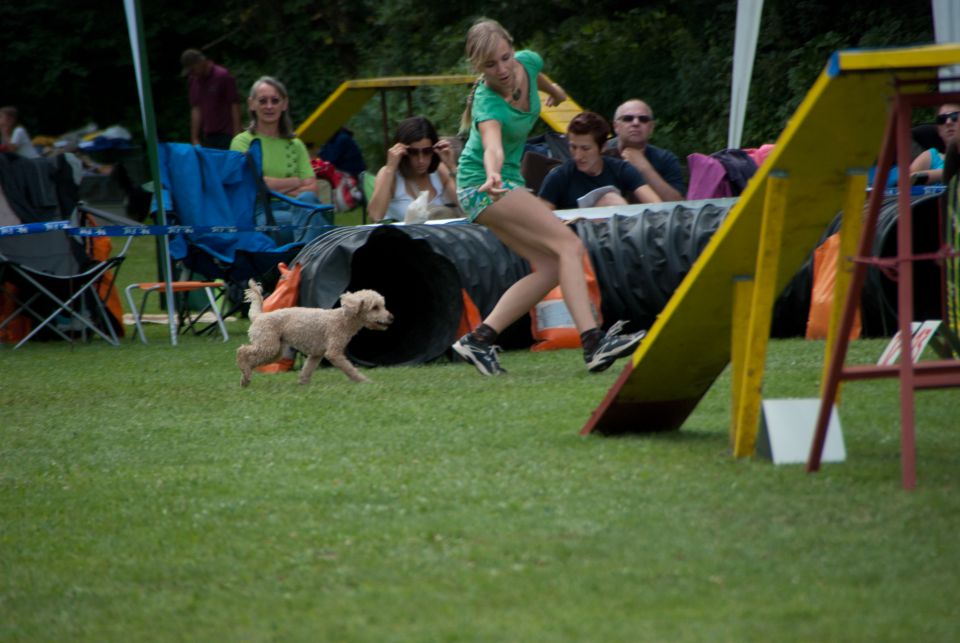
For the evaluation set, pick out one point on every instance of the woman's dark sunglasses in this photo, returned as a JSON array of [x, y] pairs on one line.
[[950, 116], [420, 151]]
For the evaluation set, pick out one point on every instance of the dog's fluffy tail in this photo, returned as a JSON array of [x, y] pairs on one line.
[[254, 295]]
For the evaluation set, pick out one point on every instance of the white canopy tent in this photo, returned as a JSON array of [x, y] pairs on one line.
[[946, 28], [744, 51]]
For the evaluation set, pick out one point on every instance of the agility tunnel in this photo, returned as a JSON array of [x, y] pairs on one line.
[[639, 260]]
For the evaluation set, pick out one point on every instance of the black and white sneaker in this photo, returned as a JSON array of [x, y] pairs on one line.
[[612, 347], [483, 356]]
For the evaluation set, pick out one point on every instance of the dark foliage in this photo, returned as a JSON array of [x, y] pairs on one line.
[[70, 62]]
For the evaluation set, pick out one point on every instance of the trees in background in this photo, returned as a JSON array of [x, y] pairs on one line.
[[70, 62]]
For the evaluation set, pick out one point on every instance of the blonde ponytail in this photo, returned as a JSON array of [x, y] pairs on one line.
[[468, 112]]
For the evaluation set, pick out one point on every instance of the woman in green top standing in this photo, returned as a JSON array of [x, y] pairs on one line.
[[501, 110], [286, 162]]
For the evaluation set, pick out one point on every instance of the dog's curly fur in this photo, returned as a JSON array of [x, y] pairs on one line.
[[316, 332]]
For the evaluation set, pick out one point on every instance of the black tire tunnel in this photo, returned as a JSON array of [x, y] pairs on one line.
[[878, 299], [641, 260]]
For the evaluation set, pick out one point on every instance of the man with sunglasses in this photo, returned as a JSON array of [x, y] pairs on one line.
[[927, 168], [633, 124], [214, 101]]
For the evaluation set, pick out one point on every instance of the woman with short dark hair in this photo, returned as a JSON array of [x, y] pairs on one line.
[[589, 178]]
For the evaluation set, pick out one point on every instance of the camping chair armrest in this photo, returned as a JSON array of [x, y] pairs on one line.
[[320, 207]]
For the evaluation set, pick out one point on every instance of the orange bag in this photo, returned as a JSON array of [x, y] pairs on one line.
[[287, 292], [99, 249], [550, 321], [470, 317], [18, 327], [285, 295], [826, 259]]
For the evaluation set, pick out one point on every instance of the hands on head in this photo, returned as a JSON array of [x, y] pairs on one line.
[[445, 151], [395, 154]]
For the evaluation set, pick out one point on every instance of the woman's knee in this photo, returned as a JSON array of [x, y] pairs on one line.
[[547, 268], [571, 246]]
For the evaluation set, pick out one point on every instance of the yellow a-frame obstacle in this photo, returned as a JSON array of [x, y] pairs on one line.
[[722, 309], [350, 97]]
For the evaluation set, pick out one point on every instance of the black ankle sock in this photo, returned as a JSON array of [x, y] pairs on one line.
[[590, 339], [484, 334]]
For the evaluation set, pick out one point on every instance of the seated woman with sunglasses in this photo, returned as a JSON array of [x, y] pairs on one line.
[[927, 168], [414, 165], [286, 162]]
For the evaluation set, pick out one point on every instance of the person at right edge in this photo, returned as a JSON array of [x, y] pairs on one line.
[[501, 109]]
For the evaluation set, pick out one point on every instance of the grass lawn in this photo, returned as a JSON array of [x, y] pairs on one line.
[[145, 496]]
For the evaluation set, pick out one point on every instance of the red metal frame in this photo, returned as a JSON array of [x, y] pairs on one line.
[[934, 374]]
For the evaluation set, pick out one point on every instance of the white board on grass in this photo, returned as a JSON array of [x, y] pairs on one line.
[[787, 428]]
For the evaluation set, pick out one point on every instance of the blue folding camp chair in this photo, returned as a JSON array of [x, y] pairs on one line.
[[208, 187]]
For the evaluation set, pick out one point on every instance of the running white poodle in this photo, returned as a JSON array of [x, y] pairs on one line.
[[316, 332]]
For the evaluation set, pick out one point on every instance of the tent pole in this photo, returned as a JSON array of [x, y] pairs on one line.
[[141, 67]]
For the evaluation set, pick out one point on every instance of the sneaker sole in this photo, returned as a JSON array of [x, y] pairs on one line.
[[600, 363], [467, 355]]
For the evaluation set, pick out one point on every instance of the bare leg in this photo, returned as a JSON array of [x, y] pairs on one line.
[[528, 227]]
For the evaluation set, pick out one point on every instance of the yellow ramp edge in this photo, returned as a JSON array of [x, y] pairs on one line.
[[350, 97], [838, 127]]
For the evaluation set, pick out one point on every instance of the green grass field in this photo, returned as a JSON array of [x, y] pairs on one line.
[[145, 496]]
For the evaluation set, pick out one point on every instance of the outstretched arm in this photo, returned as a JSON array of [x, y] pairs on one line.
[[490, 134], [555, 93]]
